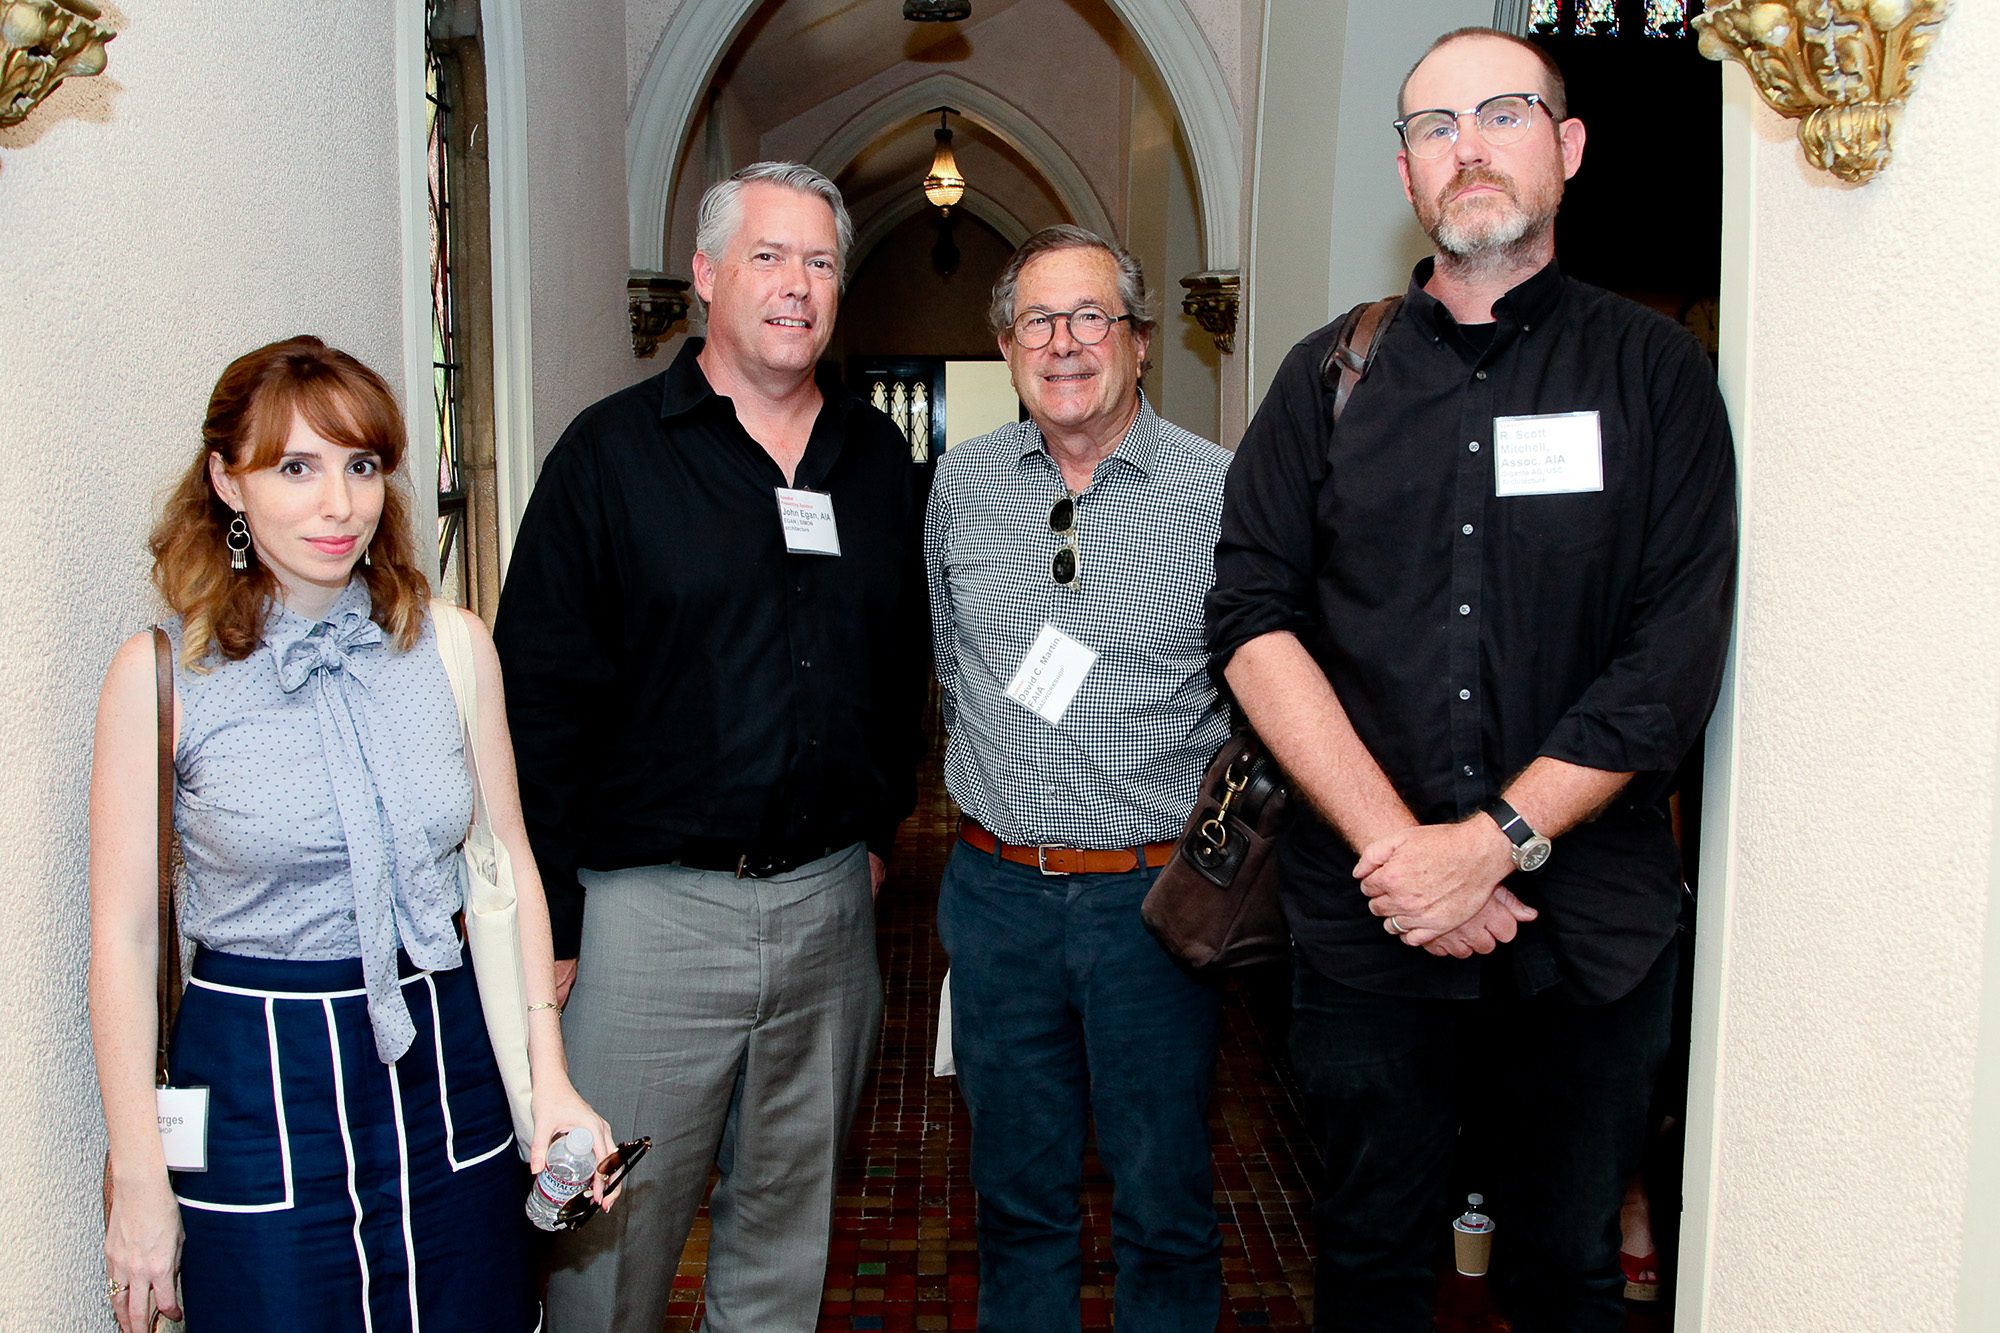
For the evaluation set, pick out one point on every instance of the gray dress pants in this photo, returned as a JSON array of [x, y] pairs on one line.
[[732, 1020]]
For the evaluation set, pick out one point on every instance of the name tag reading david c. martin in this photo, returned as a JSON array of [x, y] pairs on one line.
[[1051, 674], [184, 1127], [1556, 453], [807, 519]]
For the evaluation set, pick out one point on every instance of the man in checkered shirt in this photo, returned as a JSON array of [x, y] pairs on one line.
[[1069, 556]]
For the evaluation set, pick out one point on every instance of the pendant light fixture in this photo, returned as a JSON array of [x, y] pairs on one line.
[[944, 186]]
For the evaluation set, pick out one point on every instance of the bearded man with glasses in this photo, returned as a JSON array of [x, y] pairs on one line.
[[1480, 623], [1069, 555]]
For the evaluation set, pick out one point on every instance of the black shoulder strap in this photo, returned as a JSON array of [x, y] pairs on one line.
[[168, 978], [1353, 352]]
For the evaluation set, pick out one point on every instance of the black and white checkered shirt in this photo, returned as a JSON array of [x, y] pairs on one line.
[[1123, 765]]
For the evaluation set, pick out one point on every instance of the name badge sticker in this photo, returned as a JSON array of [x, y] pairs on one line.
[[807, 518], [1050, 675], [184, 1127], [1556, 453]]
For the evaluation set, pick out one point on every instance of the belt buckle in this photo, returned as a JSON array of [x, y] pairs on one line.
[[1042, 861]]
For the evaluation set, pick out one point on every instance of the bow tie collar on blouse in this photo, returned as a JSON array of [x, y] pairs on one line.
[[332, 658]]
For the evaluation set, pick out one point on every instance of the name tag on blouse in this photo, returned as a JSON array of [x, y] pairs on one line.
[[1050, 675], [184, 1127], [807, 518], [1556, 453]]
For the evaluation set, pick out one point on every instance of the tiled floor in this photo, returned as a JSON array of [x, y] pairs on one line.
[[903, 1250]]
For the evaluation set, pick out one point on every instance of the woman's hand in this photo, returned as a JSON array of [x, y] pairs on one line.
[[557, 1110], [142, 1250]]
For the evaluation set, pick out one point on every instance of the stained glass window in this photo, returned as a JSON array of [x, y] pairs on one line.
[[445, 385], [919, 431], [1597, 18], [1666, 18], [1546, 16]]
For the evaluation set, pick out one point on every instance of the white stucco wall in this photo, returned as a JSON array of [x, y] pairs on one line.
[[199, 199], [577, 247], [1843, 952]]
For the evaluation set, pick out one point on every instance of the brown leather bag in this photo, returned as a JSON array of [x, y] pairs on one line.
[[168, 983], [1215, 906]]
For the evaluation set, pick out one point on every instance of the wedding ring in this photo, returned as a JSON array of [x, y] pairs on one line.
[[114, 1288], [1396, 927]]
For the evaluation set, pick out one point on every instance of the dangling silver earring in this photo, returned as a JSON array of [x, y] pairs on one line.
[[238, 542], [367, 556]]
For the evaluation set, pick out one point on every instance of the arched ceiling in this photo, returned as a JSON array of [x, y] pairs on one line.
[[1047, 85], [848, 84]]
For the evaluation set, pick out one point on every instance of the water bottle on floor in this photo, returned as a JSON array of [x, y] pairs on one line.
[[571, 1163]]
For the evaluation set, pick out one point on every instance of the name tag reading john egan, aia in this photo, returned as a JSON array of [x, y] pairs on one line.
[[1558, 453], [807, 517]]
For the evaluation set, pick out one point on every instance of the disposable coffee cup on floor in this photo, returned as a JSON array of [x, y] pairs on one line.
[[1472, 1239]]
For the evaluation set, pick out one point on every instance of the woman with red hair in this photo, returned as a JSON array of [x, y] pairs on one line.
[[359, 1165]]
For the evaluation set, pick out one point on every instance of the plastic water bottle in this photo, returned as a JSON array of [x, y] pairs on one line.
[[571, 1163], [1472, 1238]]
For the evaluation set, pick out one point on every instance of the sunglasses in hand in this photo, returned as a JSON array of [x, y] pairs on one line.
[[614, 1169]]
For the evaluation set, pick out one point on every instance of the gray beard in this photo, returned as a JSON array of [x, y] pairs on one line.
[[1488, 245]]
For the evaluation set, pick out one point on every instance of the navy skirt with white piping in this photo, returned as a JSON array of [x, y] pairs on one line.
[[342, 1193]]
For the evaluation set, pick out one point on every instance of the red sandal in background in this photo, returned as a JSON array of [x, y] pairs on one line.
[[1642, 1276]]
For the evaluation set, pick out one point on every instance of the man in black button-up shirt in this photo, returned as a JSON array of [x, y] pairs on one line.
[[1481, 623], [714, 646]]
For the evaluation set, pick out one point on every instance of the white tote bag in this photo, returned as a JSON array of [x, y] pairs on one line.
[[491, 926]]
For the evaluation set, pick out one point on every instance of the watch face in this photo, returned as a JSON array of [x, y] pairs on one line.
[[1534, 853]]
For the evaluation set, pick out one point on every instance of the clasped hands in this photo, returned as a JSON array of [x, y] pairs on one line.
[[1438, 886]]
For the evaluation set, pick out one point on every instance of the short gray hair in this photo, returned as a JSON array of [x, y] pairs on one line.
[[1066, 236], [721, 210]]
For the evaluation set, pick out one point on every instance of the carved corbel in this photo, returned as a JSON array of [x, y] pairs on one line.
[[1842, 68], [1212, 299], [657, 303], [43, 42]]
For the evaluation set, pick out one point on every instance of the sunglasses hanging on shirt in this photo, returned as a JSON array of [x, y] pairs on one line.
[[1067, 565]]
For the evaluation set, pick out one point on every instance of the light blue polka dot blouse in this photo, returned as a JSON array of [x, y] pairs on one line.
[[321, 797]]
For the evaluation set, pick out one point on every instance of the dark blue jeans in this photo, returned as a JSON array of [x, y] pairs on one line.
[[1063, 1007], [1558, 1090]]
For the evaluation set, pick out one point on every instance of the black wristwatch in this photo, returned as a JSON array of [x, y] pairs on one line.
[[1530, 850]]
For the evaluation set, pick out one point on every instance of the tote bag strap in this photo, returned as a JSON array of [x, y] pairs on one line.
[[455, 647]]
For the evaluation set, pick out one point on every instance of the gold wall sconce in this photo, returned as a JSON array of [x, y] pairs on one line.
[[1842, 68], [43, 42], [657, 303], [1212, 300]]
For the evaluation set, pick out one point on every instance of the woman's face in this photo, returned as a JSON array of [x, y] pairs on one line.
[[311, 514]]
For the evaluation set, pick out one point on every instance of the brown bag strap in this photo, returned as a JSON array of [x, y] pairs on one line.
[[170, 934], [1354, 351]]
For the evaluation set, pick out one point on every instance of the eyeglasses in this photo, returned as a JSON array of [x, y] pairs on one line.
[[1502, 119], [1066, 568], [1088, 324], [581, 1208]]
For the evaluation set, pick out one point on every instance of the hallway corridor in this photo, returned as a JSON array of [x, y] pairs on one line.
[[903, 1255]]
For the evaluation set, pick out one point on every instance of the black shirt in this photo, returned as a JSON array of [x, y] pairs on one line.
[[1467, 634], [674, 676]]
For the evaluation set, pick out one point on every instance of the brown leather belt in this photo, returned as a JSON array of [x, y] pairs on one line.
[[1064, 860]]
